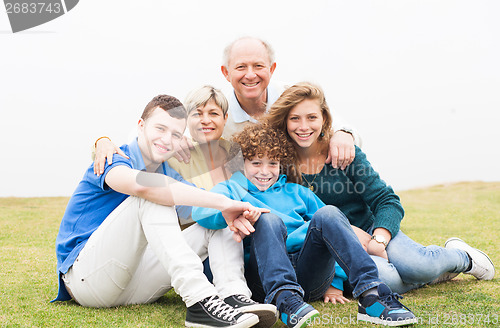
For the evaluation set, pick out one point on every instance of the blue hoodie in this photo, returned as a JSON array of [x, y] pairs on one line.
[[293, 203]]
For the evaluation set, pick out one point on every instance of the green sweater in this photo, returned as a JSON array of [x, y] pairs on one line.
[[359, 193]]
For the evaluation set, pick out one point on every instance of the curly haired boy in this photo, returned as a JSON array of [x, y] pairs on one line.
[[291, 254]]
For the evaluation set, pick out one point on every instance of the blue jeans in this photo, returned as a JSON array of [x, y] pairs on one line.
[[412, 265], [309, 272]]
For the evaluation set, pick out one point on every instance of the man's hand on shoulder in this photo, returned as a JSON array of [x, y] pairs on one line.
[[341, 152]]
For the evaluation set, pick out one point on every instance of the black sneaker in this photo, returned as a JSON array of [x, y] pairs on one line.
[[294, 312], [212, 312], [384, 309], [268, 314]]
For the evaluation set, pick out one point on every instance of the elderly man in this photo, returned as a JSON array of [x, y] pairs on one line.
[[248, 64]]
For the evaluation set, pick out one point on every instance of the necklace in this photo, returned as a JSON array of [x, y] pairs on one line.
[[310, 184]]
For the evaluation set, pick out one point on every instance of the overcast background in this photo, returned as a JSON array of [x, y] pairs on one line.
[[419, 80]]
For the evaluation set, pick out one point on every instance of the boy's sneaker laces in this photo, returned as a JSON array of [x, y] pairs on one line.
[[215, 305], [213, 312]]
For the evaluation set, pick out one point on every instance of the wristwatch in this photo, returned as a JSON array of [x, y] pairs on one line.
[[380, 239]]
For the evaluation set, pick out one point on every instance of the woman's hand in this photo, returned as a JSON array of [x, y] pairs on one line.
[[104, 149], [377, 249], [364, 237], [335, 295]]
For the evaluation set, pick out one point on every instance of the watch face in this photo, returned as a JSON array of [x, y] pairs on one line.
[[380, 239]]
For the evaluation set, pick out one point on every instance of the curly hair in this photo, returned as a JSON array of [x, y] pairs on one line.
[[260, 140]]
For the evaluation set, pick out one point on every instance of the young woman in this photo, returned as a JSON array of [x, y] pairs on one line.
[[366, 200]]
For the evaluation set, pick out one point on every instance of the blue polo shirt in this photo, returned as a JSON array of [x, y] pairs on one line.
[[90, 205]]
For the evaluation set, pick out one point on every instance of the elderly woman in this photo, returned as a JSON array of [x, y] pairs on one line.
[[207, 116]]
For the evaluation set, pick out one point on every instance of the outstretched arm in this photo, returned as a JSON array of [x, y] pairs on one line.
[[164, 190]]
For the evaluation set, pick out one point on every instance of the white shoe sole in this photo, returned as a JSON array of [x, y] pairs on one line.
[[248, 320], [458, 243], [267, 313], [303, 322]]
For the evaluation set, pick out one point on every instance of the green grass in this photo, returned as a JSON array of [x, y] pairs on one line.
[[28, 227]]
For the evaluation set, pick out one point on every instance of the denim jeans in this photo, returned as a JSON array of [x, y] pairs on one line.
[[412, 265], [309, 272]]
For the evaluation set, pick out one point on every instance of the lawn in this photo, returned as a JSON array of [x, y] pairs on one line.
[[471, 211]]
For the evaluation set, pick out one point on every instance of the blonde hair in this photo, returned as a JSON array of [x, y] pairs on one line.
[[201, 96]]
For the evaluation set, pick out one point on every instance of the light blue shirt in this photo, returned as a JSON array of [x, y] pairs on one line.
[[240, 116], [237, 117]]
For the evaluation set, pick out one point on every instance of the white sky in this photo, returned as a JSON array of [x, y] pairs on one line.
[[420, 80]]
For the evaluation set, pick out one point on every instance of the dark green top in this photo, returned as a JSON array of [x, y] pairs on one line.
[[360, 193]]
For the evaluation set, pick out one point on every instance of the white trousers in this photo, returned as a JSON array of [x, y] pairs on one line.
[[139, 253]]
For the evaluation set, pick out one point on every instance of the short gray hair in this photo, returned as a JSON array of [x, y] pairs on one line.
[[229, 47], [201, 96]]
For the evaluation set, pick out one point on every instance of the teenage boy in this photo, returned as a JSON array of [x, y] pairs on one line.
[[293, 248], [119, 241]]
